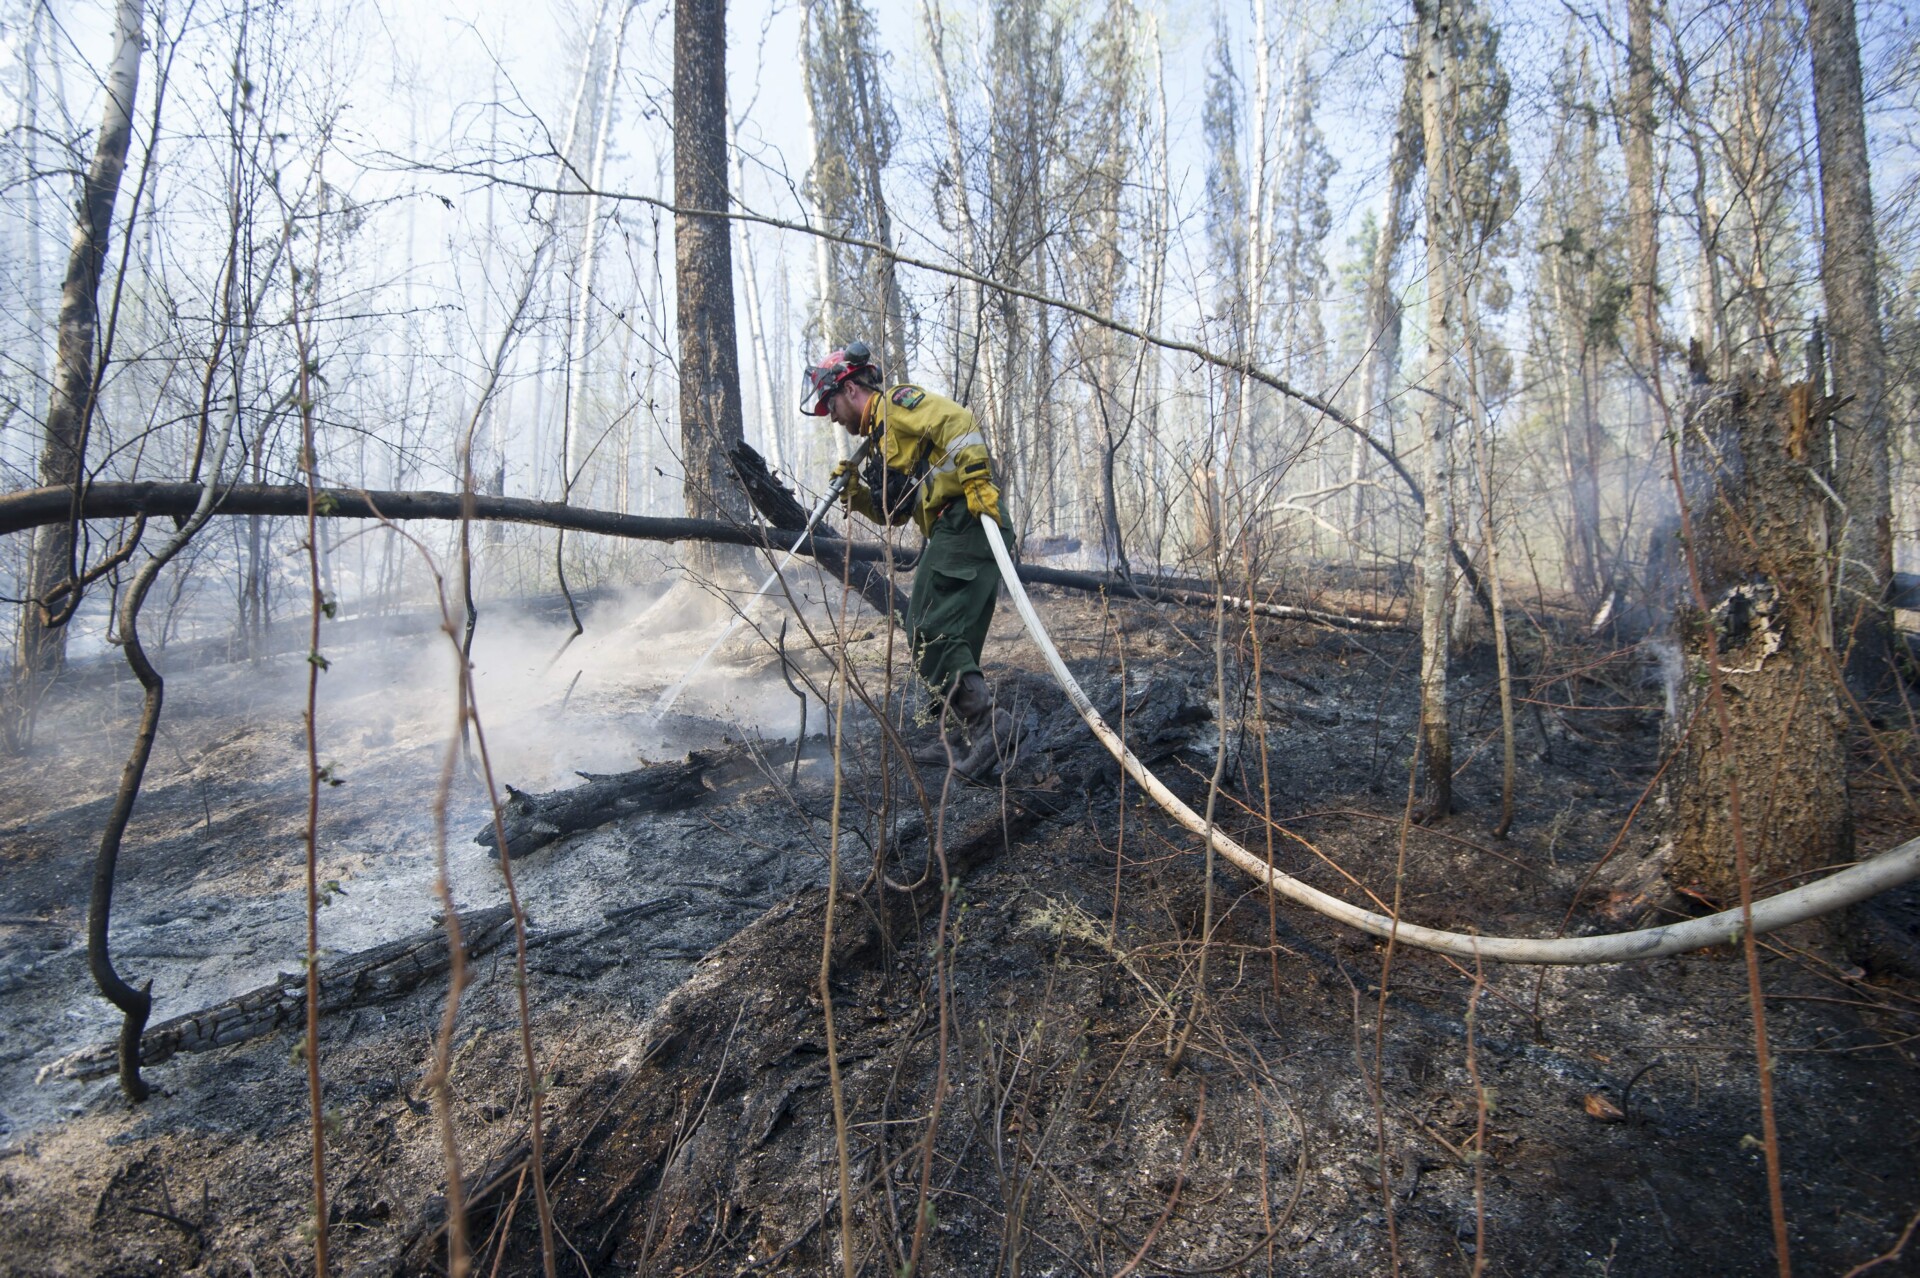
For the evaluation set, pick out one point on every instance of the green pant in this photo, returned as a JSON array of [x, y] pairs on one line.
[[954, 587]]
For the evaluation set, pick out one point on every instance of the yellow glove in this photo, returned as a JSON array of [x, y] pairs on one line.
[[854, 485], [983, 499]]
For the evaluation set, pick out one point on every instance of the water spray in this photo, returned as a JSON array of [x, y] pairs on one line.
[[820, 509]]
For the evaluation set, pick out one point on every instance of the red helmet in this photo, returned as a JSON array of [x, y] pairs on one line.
[[821, 382]]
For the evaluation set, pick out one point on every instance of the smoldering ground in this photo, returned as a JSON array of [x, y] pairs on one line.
[[1059, 1093], [210, 894]]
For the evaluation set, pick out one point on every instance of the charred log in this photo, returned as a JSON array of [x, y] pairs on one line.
[[1201, 595], [532, 821], [355, 980]]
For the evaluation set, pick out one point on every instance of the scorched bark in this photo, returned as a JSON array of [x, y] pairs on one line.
[[1760, 532]]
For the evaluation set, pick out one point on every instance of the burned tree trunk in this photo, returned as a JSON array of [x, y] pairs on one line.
[[782, 510], [1760, 542], [711, 419], [1382, 305]]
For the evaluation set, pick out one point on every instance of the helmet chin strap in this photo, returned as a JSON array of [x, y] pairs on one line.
[[869, 418]]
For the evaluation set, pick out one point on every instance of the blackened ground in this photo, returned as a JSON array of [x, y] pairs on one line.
[[1619, 1104]]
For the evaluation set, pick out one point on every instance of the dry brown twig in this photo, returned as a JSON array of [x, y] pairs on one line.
[[1198, 1006], [301, 323], [825, 981], [1891, 1254], [923, 1207], [1480, 1125], [1378, 1079]]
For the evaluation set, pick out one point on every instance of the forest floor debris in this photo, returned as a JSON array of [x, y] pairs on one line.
[[1064, 1145]]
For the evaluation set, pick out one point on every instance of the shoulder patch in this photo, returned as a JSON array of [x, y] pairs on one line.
[[908, 396]]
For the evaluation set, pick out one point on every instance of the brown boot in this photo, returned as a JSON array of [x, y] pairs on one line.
[[989, 728], [948, 742]]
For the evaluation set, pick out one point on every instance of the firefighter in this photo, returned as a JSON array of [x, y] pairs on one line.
[[928, 464]]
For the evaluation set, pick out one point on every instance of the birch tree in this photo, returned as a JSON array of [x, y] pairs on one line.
[[1436, 21], [1471, 192], [1233, 251], [1578, 298], [1740, 115], [580, 326], [1380, 346], [32, 281], [1026, 75], [953, 202], [772, 412], [1108, 112], [853, 131], [1302, 219], [41, 648]]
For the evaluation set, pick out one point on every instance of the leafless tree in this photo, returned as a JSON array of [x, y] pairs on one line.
[[710, 409], [1849, 274], [1437, 21], [40, 650]]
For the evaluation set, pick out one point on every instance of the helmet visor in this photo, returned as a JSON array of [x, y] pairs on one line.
[[817, 387]]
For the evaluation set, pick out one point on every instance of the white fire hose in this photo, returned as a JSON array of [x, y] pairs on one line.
[[1823, 896]]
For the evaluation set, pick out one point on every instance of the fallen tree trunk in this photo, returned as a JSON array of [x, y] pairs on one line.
[[779, 507], [721, 1063], [34, 507], [354, 980], [534, 820]]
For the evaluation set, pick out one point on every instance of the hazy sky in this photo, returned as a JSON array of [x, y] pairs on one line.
[[416, 80], [419, 71]]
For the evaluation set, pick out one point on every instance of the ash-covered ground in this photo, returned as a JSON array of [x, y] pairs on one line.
[[1619, 1129], [210, 899]]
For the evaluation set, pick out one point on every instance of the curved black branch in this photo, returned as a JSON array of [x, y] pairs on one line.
[[135, 1004]]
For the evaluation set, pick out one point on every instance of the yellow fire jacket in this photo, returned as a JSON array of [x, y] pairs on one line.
[[917, 429]]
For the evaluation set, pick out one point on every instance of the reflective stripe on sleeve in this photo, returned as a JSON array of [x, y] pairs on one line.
[[971, 439]]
